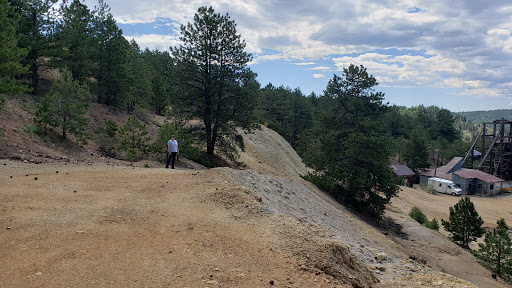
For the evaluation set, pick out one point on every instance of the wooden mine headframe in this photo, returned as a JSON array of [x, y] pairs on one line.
[[495, 144]]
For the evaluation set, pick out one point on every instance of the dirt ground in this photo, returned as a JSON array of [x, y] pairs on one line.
[[437, 205], [104, 225], [122, 227], [442, 254]]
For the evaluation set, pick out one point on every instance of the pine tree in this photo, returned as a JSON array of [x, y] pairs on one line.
[[415, 152], [464, 223], [496, 251], [215, 66], [159, 102], [140, 75], [35, 26], [10, 53], [112, 58], [46, 114], [353, 149], [134, 135], [75, 45], [64, 107]]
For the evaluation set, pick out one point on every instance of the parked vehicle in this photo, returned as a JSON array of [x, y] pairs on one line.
[[444, 186]]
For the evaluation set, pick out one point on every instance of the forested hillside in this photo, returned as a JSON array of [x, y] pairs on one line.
[[478, 117], [206, 90]]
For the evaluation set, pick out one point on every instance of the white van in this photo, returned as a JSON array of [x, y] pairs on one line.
[[444, 186]]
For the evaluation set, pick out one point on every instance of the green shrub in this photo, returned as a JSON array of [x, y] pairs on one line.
[[34, 129], [106, 138], [434, 224], [132, 155], [417, 215]]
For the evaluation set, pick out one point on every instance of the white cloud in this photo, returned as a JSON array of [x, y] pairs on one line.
[[318, 76], [304, 63], [155, 41], [323, 68]]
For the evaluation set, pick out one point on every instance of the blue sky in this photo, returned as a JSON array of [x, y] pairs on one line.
[[453, 54]]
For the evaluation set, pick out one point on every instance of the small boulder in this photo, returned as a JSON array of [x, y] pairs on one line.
[[381, 256]]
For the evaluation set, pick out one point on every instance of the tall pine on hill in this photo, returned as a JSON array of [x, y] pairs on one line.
[[353, 149], [496, 251], [215, 69]]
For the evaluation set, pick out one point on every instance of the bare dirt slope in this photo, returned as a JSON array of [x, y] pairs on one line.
[[288, 195], [269, 153]]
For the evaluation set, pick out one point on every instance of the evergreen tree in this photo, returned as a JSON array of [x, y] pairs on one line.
[[112, 58], [140, 75], [215, 67], [415, 152], [444, 126], [355, 148], [159, 102], [46, 114], [35, 26], [496, 251], [164, 81], [464, 223], [64, 107], [183, 135], [75, 44], [134, 135], [10, 53]]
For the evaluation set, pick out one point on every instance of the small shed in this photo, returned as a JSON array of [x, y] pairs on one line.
[[476, 182], [402, 171]]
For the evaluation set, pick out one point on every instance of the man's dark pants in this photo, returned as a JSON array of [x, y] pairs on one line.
[[171, 159]]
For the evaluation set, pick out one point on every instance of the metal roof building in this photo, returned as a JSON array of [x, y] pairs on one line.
[[443, 172], [473, 181], [401, 170], [404, 172]]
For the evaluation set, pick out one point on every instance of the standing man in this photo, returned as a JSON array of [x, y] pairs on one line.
[[172, 148]]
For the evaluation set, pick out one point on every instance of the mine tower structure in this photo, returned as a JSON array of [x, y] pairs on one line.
[[495, 145]]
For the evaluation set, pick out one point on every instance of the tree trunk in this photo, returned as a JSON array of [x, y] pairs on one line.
[[215, 133], [35, 80]]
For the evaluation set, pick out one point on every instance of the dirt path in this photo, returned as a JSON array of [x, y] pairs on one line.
[[121, 227], [437, 205]]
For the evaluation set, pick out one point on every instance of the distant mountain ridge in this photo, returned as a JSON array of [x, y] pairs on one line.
[[477, 117]]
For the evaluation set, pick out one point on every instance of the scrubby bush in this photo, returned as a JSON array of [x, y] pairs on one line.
[[418, 215], [106, 138], [132, 155], [433, 224]]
